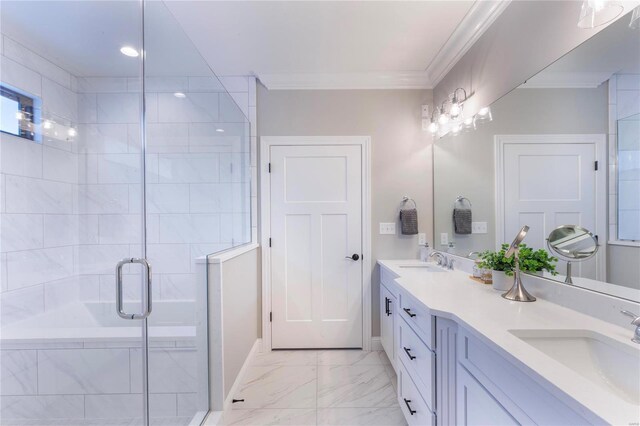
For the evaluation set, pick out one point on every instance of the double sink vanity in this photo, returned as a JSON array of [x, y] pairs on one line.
[[465, 355]]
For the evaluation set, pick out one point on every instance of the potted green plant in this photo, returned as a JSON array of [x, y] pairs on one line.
[[531, 261]]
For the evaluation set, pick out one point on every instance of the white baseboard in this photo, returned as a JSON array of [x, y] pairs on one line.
[[376, 343], [257, 345]]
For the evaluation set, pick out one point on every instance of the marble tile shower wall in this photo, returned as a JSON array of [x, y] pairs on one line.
[[71, 208], [197, 180], [624, 101], [39, 193]]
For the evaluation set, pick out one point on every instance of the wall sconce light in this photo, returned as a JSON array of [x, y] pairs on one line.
[[456, 103], [598, 12]]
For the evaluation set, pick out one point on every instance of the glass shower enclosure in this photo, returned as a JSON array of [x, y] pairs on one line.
[[124, 163]]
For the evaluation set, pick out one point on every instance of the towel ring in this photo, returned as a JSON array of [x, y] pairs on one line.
[[460, 199], [406, 199]]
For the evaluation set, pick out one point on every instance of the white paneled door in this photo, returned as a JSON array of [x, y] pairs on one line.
[[316, 246], [548, 181]]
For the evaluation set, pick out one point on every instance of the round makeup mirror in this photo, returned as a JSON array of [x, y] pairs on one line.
[[573, 244]]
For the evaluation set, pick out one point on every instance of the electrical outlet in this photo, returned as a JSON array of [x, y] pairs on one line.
[[444, 239], [387, 228], [422, 239], [425, 111], [478, 227]]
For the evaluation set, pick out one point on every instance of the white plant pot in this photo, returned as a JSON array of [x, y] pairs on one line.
[[501, 281]]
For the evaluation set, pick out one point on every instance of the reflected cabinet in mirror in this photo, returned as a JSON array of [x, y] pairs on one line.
[[561, 152]]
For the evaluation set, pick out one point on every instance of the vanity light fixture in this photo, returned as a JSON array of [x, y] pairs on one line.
[[443, 118], [456, 103], [129, 51], [468, 124], [595, 13], [179, 95], [483, 115]]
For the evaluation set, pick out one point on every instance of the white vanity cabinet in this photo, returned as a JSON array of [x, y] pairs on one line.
[[388, 307], [486, 380]]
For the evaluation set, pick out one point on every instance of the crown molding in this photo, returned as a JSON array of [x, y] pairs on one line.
[[481, 15], [567, 80], [347, 81]]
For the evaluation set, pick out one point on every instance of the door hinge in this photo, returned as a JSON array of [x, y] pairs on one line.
[[269, 242], [269, 167], [596, 165], [270, 316]]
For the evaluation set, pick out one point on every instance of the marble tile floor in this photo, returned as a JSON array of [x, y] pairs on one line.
[[308, 387]]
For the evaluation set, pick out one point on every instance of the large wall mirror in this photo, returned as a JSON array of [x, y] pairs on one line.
[[561, 149]]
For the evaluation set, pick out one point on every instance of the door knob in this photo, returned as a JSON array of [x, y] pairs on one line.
[[354, 256]]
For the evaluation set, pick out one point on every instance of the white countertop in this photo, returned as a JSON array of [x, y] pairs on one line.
[[482, 311]]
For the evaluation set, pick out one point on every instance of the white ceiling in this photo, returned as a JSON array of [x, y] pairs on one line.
[[317, 36], [84, 37], [344, 44]]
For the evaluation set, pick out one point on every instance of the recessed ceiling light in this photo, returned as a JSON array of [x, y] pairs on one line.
[[179, 95], [220, 130], [129, 51]]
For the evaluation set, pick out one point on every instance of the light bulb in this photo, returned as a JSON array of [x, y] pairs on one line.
[[129, 51], [433, 127], [455, 109], [47, 124]]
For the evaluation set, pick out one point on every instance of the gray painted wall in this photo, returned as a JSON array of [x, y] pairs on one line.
[[465, 164], [527, 37], [401, 151]]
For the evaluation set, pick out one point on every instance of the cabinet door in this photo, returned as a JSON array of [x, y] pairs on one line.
[[387, 306], [476, 406]]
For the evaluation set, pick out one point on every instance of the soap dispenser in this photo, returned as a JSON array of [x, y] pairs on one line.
[[425, 251]]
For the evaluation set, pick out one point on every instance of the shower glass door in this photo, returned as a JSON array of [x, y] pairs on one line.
[[197, 203], [72, 207]]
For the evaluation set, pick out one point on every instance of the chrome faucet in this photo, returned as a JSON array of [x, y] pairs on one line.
[[441, 260], [450, 264], [636, 322]]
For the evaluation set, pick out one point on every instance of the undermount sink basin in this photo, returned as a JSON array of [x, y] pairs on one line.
[[606, 362], [428, 267]]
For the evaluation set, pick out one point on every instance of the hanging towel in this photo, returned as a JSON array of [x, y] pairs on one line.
[[409, 221], [462, 220]]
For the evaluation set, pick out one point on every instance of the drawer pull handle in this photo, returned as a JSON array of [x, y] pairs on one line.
[[408, 311], [388, 306], [408, 351], [411, 411]]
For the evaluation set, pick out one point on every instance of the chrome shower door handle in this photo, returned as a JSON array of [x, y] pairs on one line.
[[146, 293]]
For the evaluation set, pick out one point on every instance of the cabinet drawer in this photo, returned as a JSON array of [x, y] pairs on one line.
[[416, 411], [418, 359], [417, 316]]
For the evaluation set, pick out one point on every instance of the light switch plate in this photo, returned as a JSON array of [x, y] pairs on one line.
[[425, 124], [425, 111], [478, 227], [422, 239], [387, 228], [444, 239]]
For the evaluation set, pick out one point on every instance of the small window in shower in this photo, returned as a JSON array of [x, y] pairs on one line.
[[20, 113]]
